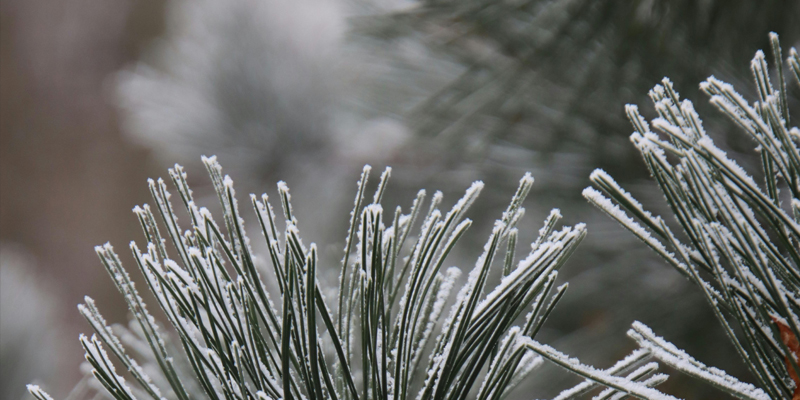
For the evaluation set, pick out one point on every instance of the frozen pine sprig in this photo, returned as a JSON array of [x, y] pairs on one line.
[[678, 359], [228, 335], [634, 384], [739, 239]]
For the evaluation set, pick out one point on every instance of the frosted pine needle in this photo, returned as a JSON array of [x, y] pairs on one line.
[[225, 338]]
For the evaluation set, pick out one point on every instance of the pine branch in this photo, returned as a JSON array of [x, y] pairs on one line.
[[237, 344], [741, 241]]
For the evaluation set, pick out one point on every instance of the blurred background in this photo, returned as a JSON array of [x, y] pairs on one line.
[[97, 96]]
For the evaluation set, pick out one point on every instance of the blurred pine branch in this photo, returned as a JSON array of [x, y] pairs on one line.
[[546, 75]]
